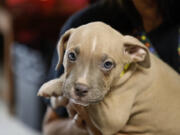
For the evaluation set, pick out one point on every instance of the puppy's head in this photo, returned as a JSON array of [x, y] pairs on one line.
[[94, 57]]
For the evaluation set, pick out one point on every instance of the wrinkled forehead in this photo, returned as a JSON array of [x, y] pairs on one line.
[[94, 40]]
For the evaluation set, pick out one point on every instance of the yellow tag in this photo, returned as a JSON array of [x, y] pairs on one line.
[[124, 70]]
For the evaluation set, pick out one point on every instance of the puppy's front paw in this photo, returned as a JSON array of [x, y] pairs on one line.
[[42, 94], [47, 93], [51, 88]]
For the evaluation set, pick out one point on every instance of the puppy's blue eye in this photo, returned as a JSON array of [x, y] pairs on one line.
[[72, 56], [108, 65]]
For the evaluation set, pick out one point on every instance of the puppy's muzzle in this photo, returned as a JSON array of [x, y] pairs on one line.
[[81, 90]]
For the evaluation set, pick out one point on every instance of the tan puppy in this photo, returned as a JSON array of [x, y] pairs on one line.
[[144, 100]]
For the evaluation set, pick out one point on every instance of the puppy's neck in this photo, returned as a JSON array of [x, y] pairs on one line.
[[126, 75]]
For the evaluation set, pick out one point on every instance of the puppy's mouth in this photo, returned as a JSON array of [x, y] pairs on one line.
[[79, 101], [84, 100]]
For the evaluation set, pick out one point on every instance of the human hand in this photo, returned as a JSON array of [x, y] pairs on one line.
[[81, 118], [77, 113], [55, 125]]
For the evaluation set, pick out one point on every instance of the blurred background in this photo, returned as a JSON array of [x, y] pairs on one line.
[[29, 30]]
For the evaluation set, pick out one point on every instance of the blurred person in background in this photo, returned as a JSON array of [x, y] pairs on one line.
[[35, 27], [154, 22], [36, 22]]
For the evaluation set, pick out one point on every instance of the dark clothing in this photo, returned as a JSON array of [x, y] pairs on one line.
[[165, 41], [164, 38]]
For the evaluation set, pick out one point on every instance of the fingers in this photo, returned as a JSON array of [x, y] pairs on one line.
[[81, 110], [82, 119], [50, 116], [79, 121], [63, 127], [58, 101], [71, 110], [75, 115]]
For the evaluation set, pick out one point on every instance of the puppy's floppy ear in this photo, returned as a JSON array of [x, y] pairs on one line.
[[136, 51], [61, 47]]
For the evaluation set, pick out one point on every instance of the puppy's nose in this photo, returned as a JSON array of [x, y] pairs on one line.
[[81, 89]]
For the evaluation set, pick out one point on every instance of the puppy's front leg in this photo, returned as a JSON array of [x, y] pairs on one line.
[[52, 88]]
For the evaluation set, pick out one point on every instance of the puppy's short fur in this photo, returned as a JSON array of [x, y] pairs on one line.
[[145, 100]]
